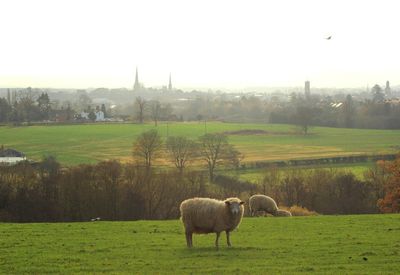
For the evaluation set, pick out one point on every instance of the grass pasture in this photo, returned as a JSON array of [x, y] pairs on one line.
[[89, 143], [357, 244]]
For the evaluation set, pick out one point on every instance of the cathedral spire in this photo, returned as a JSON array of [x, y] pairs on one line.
[[136, 86], [170, 83]]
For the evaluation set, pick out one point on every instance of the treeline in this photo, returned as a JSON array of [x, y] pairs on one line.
[[374, 110], [110, 190], [115, 191], [30, 105], [35, 105], [319, 111], [328, 191], [325, 191], [318, 161]]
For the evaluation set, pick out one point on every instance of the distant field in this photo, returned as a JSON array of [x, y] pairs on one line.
[[256, 175], [357, 244], [89, 143]]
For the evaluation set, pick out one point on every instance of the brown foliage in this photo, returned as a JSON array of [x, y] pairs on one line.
[[390, 203]]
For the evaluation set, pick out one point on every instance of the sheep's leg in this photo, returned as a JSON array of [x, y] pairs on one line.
[[227, 238], [189, 239], [216, 240]]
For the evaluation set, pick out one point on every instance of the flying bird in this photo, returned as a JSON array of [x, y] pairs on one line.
[[328, 38]]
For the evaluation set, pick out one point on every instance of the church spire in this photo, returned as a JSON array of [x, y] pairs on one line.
[[136, 86], [170, 83]]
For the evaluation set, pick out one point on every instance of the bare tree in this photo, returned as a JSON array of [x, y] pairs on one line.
[[155, 111], [215, 149], [140, 104], [304, 116], [271, 181], [147, 147], [348, 112], [181, 150]]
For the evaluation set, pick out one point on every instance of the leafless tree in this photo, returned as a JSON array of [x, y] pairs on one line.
[[155, 111], [181, 150], [215, 149], [140, 104], [147, 147]]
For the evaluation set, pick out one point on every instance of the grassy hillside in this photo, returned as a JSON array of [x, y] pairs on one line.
[[326, 244], [74, 144]]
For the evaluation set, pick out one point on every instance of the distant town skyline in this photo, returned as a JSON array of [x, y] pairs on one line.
[[207, 44]]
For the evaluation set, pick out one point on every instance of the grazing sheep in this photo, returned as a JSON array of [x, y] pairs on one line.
[[282, 213], [262, 203], [204, 215]]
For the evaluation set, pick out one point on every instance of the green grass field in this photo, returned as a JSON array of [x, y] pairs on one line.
[[75, 144], [256, 175], [356, 244]]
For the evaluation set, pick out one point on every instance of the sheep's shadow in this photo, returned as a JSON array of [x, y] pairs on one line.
[[222, 250]]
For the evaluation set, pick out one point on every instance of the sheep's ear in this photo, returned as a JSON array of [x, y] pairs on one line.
[[227, 202], [242, 202]]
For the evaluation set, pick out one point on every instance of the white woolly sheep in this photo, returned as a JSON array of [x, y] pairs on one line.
[[205, 215], [262, 203], [282, 213]]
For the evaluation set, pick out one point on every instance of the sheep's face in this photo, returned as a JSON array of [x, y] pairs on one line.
[[234, 206]]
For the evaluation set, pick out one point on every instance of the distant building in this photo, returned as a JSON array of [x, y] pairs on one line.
[[10, 156], [388, 91], [99, 115], [393, 101], [307, 89], [170, 83], [85, 116], [137, 86]]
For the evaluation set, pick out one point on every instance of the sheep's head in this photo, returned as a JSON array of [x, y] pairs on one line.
[[235, 205]]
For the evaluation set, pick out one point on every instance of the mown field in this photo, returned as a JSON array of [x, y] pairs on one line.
[[89, 143], [357, 244]]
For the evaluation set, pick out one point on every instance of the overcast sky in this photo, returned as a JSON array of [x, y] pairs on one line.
[[213, 44]]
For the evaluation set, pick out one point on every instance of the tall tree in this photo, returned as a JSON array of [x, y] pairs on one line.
[[103, 109], [181, 150], [348, 112], [155, 108], [304, 116], [140, 105], [5, 110], [390, 203], [44, 105], [27, 108], [147, 147], [215, 149]]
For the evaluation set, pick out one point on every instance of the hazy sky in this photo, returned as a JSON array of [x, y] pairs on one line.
[[82, 44]]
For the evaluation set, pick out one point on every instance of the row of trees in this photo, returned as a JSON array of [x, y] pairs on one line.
[[115, 191], [340, 110], [30, 105], [110, 190], [152, 109], [348, 113], [328, 191], [26, 109], [213, 149]]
